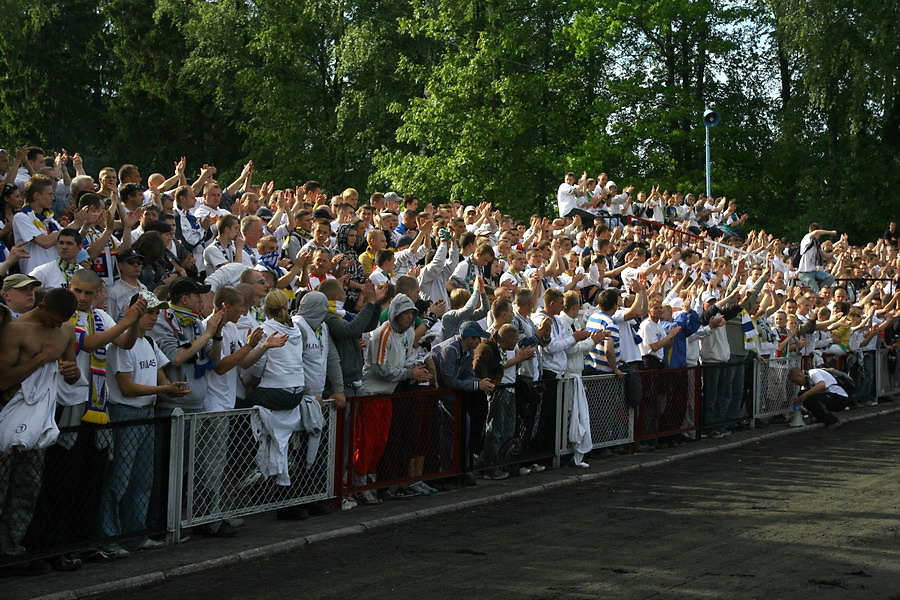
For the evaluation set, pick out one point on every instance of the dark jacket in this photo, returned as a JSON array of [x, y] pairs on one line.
[[454, 366], [487, 361], [345, 336]]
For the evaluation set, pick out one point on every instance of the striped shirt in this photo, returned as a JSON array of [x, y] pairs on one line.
[[596, 358]]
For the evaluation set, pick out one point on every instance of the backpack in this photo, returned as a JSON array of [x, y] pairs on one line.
[[795, 254], [843, 380]]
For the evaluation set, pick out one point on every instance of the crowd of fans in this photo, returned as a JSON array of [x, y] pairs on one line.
[[129, 297]]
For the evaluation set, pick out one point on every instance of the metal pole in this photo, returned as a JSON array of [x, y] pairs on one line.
[[708, 179]]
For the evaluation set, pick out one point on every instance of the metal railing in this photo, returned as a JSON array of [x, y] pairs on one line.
[[234, 465], [773, 391], [400, 438], [609, 416], [670, 403], [887, 372], [93, 487]]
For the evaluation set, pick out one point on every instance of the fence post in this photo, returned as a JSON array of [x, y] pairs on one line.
[[176, 468], [757, 392], [560, 407], [336, 461]]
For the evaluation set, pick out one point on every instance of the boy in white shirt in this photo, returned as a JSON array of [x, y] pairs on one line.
[[125, 494]]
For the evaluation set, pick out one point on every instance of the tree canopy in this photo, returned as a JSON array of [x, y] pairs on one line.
[[478, 100]]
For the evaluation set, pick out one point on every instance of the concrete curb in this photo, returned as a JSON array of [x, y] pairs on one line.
[[365, 526]]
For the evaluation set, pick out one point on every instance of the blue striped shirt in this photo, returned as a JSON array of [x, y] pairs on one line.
[[600, 321]]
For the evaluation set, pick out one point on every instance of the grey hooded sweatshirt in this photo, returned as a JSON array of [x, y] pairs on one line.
[[320, 357], [388, 360]]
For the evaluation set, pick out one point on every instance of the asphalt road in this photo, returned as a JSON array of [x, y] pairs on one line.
[[813, 516]]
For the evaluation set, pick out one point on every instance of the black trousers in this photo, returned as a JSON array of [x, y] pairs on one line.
[[821, 405]]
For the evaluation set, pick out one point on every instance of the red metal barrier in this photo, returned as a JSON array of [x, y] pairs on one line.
[[398, 439], [670, 403]]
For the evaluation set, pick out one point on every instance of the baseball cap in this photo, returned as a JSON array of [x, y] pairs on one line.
[[392, 197], [152, 301], [473, 329], [184, 286], [19, 281], [707, 296], [470, 208], [404, 241], [129, 255], [676, 304]]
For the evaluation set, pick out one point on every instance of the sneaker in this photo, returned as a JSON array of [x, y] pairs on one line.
[[402, 493], [149, 544], [250, 480], [65, 562], [524, 470], [496, 474], [236, 522], [536, 468], [348, 503], [368, 498], [713, 434], [420, 487], [115, 551], [580, 464], [430, 488]]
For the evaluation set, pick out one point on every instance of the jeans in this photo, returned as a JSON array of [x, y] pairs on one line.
[[816, 279], [20, 485], [716, 392], [128, 480], [735, 384]]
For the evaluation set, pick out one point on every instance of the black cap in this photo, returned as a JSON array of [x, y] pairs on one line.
[[129, 255], [184, 286]]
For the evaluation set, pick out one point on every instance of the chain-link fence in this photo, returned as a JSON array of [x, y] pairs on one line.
[[247, 461], [609, 419], [774, 392], [89, 490], [670, 403], [887, 375], [402, 438]]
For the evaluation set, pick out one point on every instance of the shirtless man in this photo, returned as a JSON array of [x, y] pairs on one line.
[[40, 336]]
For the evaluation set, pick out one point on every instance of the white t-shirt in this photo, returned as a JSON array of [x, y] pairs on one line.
[[119, 297], [628, 348], [831, 385], [85, 323], [217, 254], [651, 333], [221, 390], [566, 198], [807, 255], [509, 373], [143, 362], [51, 276], [26, 227]]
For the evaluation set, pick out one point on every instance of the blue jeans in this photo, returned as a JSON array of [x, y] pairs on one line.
[[125, 493], [816, 279]]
